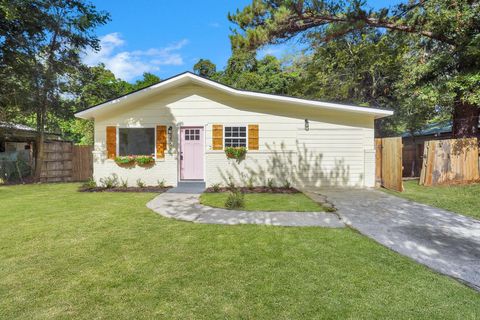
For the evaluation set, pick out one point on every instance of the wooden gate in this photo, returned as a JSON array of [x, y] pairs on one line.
[[82, 165], [388, 161], [450, 161]]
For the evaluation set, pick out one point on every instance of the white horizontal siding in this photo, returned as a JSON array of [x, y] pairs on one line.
[[332, 152]]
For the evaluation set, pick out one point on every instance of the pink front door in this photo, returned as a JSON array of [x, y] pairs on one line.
[[191, 153]]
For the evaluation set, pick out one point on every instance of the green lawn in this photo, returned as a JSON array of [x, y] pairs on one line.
[[265, 202], [463, 199], [65, 255]]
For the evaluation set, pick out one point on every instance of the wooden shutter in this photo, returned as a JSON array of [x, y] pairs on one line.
[[253, 136], [161, 142], [217, 137], [111, 142]]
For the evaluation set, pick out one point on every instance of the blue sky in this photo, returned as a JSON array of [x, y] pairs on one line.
[[167, 37]]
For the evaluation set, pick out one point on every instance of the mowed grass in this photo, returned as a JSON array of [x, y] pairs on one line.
[[71, 255], [463, 199], [265, 202]]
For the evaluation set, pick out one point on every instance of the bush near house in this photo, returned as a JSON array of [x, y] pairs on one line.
[[235, 200]]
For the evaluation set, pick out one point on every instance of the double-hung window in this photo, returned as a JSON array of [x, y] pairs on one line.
[[235, 136], [136, 141]]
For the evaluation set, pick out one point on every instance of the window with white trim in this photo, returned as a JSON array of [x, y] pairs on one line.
[[235, 136]]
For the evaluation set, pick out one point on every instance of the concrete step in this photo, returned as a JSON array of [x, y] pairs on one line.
[[191, 187]]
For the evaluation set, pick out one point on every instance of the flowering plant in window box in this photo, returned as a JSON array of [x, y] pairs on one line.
[[144, 160], [125, 160], [236, 152]]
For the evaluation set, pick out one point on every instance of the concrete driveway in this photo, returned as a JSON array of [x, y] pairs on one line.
[[444, 241]]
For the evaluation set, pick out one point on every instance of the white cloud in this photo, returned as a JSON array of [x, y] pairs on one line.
[[128, 65], [215, 25]]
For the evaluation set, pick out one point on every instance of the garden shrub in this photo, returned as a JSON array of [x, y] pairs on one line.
[[110, 182], [216, 187], [270, 183], [161, 183], [140, 183], [231, 184], [250, 183], [235, 200], [89, 184]]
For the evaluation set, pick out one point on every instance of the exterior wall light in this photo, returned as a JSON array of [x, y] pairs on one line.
[[169, 133], [307, 125]]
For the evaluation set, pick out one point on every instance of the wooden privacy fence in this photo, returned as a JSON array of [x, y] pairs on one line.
[[82, 166], [450, 161], [65, 162], [57, 164], [388, 163]]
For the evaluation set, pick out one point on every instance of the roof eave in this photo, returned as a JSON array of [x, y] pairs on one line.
[[375, 112]]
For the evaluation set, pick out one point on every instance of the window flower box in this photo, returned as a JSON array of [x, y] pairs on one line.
[[237, 153], [125, 161], [144, 161]]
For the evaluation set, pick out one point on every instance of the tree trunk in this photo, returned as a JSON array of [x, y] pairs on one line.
[[45, 94], [40, 141], [465, 120], [39, 155]]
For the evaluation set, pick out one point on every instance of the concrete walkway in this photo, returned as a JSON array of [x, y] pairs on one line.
[[184, 206], [444, 241]]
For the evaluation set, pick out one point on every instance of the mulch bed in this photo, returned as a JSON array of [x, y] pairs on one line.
[[255, 190], [128, 189]]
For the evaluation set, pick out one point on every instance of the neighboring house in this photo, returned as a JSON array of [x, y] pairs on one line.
[[413, 145], [187, 121]]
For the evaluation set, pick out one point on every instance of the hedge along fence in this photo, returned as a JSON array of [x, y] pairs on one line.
[[450, 161]]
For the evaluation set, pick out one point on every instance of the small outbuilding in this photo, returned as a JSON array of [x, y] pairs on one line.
[[17, 145], [196, 129]]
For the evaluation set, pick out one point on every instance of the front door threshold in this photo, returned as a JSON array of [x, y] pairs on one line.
[[193, 187]]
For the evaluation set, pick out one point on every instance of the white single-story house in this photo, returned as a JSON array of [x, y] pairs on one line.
[[187, 121]]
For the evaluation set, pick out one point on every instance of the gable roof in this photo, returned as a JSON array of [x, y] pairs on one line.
[[188, 77], [20, 132]]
